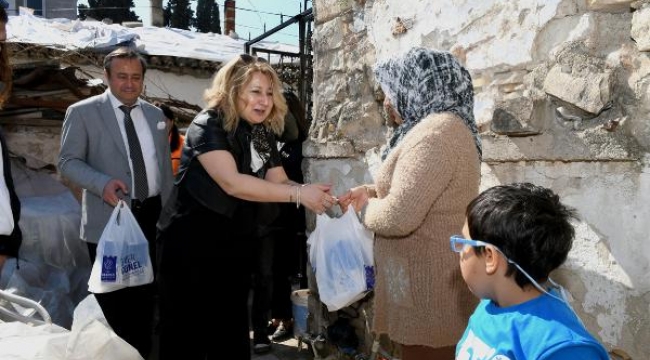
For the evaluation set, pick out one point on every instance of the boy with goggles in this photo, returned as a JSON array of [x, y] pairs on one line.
[[525, 233]]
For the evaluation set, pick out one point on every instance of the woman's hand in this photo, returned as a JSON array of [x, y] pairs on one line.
[[316, 197], [357, 196]]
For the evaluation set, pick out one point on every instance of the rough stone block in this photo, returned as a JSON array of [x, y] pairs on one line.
[[609, 5], [640, 31], [587, 91], [515, 118]]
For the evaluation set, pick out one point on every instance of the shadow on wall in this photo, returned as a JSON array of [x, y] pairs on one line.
[[597, 285]]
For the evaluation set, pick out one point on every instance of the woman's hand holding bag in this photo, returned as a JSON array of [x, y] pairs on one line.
[[122, 258], [341, 254]]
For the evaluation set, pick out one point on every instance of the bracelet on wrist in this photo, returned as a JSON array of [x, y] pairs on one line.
[[298, 195]]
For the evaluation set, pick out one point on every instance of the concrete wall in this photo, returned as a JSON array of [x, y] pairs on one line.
[[50, 9], [562, 100], [60, 9]]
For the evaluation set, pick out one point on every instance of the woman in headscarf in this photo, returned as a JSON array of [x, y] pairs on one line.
[[230, 164], [430, 172]]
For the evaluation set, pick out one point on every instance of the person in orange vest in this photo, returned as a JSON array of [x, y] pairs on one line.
[[175, 137]]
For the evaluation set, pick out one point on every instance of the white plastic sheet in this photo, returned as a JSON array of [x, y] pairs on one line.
[[54, 261], [90, 338]]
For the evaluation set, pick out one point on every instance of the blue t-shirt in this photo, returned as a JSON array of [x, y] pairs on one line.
[[540, 329]]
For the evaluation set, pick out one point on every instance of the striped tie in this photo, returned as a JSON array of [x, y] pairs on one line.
[[139, 170]]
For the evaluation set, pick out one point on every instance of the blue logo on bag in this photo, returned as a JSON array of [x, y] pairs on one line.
[[109, 268], [131, 263], [370, 277]]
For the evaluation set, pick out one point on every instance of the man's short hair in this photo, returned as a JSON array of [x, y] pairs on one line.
[[123, 52]]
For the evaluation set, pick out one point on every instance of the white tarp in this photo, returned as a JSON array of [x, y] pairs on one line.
[[66, 34], [54, 262], [89, 338]]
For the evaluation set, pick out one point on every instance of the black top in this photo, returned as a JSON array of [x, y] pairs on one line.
[[206, 133]]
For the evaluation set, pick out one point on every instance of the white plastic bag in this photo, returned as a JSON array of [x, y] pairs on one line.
[[341, 255], [122, 258]]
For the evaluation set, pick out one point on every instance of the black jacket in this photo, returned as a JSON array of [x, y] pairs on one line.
[[10, 244], [206, 133]]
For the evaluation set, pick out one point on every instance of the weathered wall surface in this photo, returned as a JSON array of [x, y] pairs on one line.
[[34, 139], [562, 100]]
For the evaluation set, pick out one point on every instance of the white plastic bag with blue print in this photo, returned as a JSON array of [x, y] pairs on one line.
[[122, 258], [341, 255]]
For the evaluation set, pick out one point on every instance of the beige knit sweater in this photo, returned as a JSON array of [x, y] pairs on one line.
[[422, 189]]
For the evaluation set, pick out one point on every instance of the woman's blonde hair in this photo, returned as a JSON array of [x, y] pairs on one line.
[[229, 82]]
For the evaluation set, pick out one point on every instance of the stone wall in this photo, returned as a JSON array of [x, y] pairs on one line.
[[562, 100]]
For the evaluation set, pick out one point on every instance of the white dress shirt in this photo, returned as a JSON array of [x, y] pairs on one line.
[[146, 143]]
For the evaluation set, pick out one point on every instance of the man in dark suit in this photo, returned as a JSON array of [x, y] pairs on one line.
[[99, 155]]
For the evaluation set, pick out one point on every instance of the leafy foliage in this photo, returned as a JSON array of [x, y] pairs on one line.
[[167, 15], [116, 10], [180, 14], [207, 17]]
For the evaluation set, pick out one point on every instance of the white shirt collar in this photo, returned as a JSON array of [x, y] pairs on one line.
[[117, 103]]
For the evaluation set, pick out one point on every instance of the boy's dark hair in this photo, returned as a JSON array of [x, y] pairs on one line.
[[528, 223]]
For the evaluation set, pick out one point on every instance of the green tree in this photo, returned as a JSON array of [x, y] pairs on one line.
[[207, 17], [116, 10], [181, 14], [82, 10], [167, 15], [215, 21]]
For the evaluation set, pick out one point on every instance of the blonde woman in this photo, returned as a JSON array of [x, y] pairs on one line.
[[229, 164]]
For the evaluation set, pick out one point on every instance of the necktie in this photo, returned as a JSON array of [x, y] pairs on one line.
[[139, 170]]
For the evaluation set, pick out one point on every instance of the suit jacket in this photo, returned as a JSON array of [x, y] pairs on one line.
[[93, 152]]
